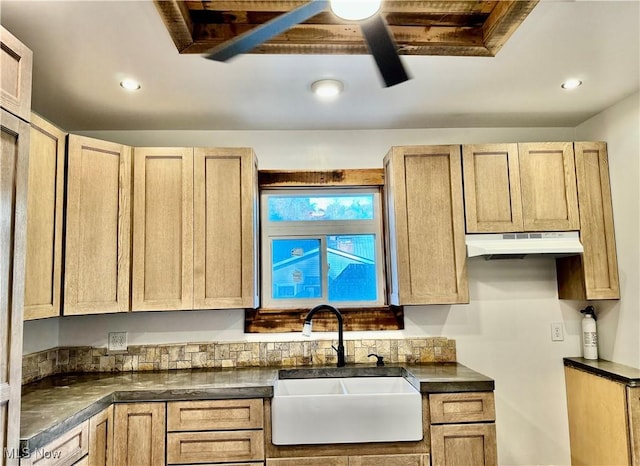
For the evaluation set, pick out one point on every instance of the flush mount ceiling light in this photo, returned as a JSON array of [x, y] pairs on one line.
[[355, 10], [571, 84], [130, 84], [327, 88]]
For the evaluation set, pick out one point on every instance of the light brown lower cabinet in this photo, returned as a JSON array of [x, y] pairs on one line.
[[463, 444], [215, 431], [101, 438], [138, 434], [68, 449], [463, 430], [604, 420]]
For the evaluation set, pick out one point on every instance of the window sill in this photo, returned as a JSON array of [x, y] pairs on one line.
[[355, 319]]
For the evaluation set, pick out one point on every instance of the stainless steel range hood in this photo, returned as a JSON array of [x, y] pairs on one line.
[[519, 245]]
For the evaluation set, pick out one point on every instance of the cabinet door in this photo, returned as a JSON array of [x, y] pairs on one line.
[[163, 229], [492, 199], [633, 403], [16, 64], [594, 274], [44, 220], [101, 438], [97, 241], [598, 425], [139, 434], [14, 159], [225, 228], [463, 445], [426, 225], [548, 181], [69, 448]]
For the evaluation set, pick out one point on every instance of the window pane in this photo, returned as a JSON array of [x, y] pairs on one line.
[[352, 268], [312, 208], [296, 268]]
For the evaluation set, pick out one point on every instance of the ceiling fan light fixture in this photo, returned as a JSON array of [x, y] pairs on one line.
[[571, 84], [327, 88], [355, 10]]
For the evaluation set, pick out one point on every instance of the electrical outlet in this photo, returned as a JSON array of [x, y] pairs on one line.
[[557, 331], [117, 341]]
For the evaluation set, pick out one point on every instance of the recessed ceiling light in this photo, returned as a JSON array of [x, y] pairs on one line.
[[327, 88], [355, 10], [130, 84], [571, 84]]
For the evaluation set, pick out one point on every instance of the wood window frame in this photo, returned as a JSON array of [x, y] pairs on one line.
[[263, 320]]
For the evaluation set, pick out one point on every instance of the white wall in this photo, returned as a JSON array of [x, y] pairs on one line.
[[504, 332], [619, 321]]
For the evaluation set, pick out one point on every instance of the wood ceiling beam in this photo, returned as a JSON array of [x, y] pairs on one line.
[[328, 36], [403, 6], [177, 20], [505, 18]]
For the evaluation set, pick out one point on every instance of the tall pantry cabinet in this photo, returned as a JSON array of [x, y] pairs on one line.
[[15, 100]]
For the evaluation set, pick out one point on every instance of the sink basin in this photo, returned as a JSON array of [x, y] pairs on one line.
[[345, 410]]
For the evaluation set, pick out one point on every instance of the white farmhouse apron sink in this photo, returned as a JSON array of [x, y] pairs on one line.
[[345, 410]]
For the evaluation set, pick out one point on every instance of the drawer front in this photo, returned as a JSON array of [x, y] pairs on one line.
[[448, 408], [66, 449], [189, 416], [214, 447], [390, 460], [307, 461]]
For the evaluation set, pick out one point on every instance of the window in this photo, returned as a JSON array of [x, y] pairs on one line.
[[321, 245]]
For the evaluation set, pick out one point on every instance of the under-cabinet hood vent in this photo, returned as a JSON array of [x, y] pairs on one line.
[[520, 245]]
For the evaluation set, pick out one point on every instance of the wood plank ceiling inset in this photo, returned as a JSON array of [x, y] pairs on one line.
[[444, 27]]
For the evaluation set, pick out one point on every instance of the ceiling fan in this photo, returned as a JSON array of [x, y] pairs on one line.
[[374, 28]]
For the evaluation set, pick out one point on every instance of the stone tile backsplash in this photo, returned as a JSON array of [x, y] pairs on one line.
[[63, 360]]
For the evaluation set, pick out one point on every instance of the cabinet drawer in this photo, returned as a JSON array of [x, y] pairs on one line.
[[447, 408], [186, 416], [66, 449], [212, 447], [390, 460], [308, 461]]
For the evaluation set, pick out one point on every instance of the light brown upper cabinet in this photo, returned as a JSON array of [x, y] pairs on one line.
[[44, 220], [520, 187], [97, 241], [162, 229], [594, 274], [225, 228], [425, 226], [15, 84]]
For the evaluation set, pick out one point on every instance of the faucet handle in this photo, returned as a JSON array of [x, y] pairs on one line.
[[380, 359]]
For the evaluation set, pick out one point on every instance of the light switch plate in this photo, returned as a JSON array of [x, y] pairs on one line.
[[117, 341]]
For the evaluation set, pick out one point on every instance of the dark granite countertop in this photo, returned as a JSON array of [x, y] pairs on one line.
[[627, 375], [58, 403]]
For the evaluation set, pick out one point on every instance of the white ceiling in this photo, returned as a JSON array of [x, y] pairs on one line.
[[83, 48]]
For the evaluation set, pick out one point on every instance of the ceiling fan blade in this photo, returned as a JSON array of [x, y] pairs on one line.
[[256, 36], [383, 48]]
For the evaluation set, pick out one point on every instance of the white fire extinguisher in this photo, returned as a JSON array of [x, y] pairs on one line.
[[589, 333]]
